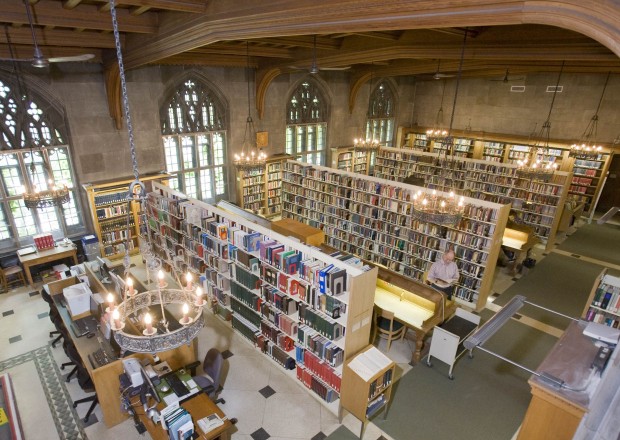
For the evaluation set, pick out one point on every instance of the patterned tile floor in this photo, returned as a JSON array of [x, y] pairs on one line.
[[257, 399]]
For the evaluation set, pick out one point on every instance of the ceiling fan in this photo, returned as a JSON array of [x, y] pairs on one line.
[[314, 68], [507, 78], [439, 75], [38, 60]]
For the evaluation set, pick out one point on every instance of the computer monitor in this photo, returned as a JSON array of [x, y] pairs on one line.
[[150, 387], [119, 284], [104, 270]]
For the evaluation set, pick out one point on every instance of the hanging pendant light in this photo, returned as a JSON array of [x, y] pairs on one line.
[[252, 158], [441, 205], [152, 334], [586, 148], [541, 165]]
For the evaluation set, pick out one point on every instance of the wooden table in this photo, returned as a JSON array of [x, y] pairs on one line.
[[42, 257], [198, 406], [416, 305]]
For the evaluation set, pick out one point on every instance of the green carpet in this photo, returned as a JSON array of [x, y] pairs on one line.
[[342, 433], [595, 241], [487, 395], [558, 282]]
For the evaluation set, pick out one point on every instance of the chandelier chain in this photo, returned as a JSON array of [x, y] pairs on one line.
[[121, 68]]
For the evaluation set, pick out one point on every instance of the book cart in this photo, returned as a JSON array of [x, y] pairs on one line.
[[447, 339], [367, 385], [305, 310]]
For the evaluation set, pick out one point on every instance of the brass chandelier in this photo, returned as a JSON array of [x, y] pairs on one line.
[[252, 158], [443, 207], [55, 194], [541, 166], [587, 149], [134, 321]]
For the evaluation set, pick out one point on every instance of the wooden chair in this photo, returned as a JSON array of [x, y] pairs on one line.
[[387, 327], [10, 275]]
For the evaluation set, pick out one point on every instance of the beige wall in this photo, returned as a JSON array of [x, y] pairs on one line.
[[100, 152]]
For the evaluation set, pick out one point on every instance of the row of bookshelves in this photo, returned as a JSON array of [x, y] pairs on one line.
[[288, 299], [539, 203], [351, 210], [510, 152], [603, 305]]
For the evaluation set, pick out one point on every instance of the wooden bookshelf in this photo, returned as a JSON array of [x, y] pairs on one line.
[[258, 189], [587, 181], [416, 141], [540, 204], [279, 305], [603, 304], [110, 212], [349, 159], [370, 217], [367, 385]]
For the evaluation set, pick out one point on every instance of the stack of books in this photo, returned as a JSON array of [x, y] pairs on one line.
[[178, 423]]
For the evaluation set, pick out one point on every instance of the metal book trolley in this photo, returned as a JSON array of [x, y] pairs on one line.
[[447, 340]]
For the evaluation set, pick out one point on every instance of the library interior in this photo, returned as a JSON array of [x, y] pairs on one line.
[[337, 219]]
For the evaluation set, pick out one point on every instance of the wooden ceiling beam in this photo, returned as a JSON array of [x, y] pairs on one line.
[[255, 50], [86, 16], [192, 6], [243, 20], [70, 4], [63, 38], [306, 41]]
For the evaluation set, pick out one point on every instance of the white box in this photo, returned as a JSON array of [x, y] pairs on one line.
[[77, 297]]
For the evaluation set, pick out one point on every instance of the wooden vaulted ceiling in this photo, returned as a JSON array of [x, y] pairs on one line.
[[363, 37]]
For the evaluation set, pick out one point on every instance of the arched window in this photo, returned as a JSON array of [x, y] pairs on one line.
[[306, 124], [380, 116], [31, 129], [193, 124]]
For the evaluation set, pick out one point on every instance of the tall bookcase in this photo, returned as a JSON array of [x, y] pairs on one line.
[[258, 189], [540, 204], [416, 141], [350, 159], [367, 385], [110, 212], [588, 175], [370, 217], [603, 305], [306, 310]]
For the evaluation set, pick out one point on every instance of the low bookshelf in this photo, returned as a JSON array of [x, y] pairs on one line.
[[370, 217], [304, 309]]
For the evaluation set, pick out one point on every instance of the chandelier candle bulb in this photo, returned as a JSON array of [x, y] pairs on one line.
[[188, 278], [160, 277], [148, 321], [129, 283], [110, 299], [116, 321], [186, 319], [199, 301]]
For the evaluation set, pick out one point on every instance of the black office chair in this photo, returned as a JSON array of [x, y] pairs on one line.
[[67, 342], [212, 367], [84, 381], [54, 316]]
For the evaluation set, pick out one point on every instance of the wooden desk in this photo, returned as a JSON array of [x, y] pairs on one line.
[[41, 257], [520, 242], [418, 306], [199, 406], [555, 413], [105, 378]]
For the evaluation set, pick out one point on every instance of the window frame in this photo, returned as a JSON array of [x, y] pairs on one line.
[[381, 112]]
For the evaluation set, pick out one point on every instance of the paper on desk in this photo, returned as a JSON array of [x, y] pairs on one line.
[[171, 398], [191, 384]]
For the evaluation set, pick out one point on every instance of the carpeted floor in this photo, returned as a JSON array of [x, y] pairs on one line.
[[487, 394], [557, 282], [57, 399], [601, 242]]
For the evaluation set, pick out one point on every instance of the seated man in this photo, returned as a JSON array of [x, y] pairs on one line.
[[444, 274]]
